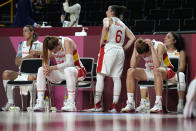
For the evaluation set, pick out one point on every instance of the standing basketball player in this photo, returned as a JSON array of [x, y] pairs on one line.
[[111, 55], [69, 68]]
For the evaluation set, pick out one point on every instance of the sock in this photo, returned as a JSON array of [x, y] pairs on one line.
[[115, 99], [130, 97], [158, 99], [180, 101], [40, 95], [98, 97], [142, 101], [71, 96]]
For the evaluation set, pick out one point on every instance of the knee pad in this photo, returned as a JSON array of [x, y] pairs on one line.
[[181, 86]]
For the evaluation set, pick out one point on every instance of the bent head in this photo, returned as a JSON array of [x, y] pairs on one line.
[[52, 43], [142, 47]]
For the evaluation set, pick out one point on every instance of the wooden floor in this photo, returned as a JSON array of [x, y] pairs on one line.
[[17, 121]]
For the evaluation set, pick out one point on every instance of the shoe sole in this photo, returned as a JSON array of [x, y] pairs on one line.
[[130, 111], [154, 112]]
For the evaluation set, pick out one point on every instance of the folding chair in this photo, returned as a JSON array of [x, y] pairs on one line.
[[29, 66], [85, 84], [166, 83]]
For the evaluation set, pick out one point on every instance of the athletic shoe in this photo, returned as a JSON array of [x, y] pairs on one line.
[[144, 107], [96, 108], [157, 108], [39, 107], [7, 107], [180, 108], [130, 107], [112, 108], [69, 107]]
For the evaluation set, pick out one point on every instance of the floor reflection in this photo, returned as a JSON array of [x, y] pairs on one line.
[[93, 122]]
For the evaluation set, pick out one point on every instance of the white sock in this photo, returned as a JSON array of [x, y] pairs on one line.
[[117, 89], [130, 97], [98, 97], [180, 101], [142, 101], [40, 95], [115, 99], [71, 96], [158, 99]]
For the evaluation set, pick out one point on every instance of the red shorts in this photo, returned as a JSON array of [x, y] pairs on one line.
[[170, 73]]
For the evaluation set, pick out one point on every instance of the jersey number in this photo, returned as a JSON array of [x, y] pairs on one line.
[[118, 36]]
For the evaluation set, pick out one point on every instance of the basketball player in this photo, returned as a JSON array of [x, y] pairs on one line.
[[29, 48], [68, 68], [111, 55], [175, 49], [158, 68]]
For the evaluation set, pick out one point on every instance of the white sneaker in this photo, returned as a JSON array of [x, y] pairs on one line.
[[180, 108], [130, 107], [39, 107], [157, 108], [96, 108], [69, 106], [112, 108], [144, 107], [7, 107], [14, 108]]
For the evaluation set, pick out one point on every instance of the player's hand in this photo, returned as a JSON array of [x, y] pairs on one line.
[[149, 42], [46, 70]]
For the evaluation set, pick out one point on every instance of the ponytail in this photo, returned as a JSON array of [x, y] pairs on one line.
[[49, 43]]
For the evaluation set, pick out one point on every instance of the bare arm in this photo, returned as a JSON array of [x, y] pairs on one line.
[[18, 61], [131, 38], [69, 47], [135, 58], [157, 56], [106, 25], [182, 61]]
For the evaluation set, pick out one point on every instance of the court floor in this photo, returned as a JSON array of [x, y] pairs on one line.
[[50, 121]]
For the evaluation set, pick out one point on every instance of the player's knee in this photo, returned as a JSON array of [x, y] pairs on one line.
[[130, 72], [156, 71]]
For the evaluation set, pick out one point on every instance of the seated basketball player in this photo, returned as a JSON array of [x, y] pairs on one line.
[[158, 68], [29, 48], [69, 68], [175, 49]]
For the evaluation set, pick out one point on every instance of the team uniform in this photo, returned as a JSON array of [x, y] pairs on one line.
[[111, 56], [23, 51], [165, 62], [110, 63], [70, 74], [145, 103]]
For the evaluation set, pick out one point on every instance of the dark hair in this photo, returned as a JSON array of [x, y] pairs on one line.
[[141, 46], [72, 2], [49, 43], [118, 10], [35, 36], [179, 45]]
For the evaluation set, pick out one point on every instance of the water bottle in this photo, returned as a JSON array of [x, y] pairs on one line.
[[47, 104]]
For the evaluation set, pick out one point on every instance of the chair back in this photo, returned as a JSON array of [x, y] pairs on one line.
[[30, 65], [88, 64], [175, 63]]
